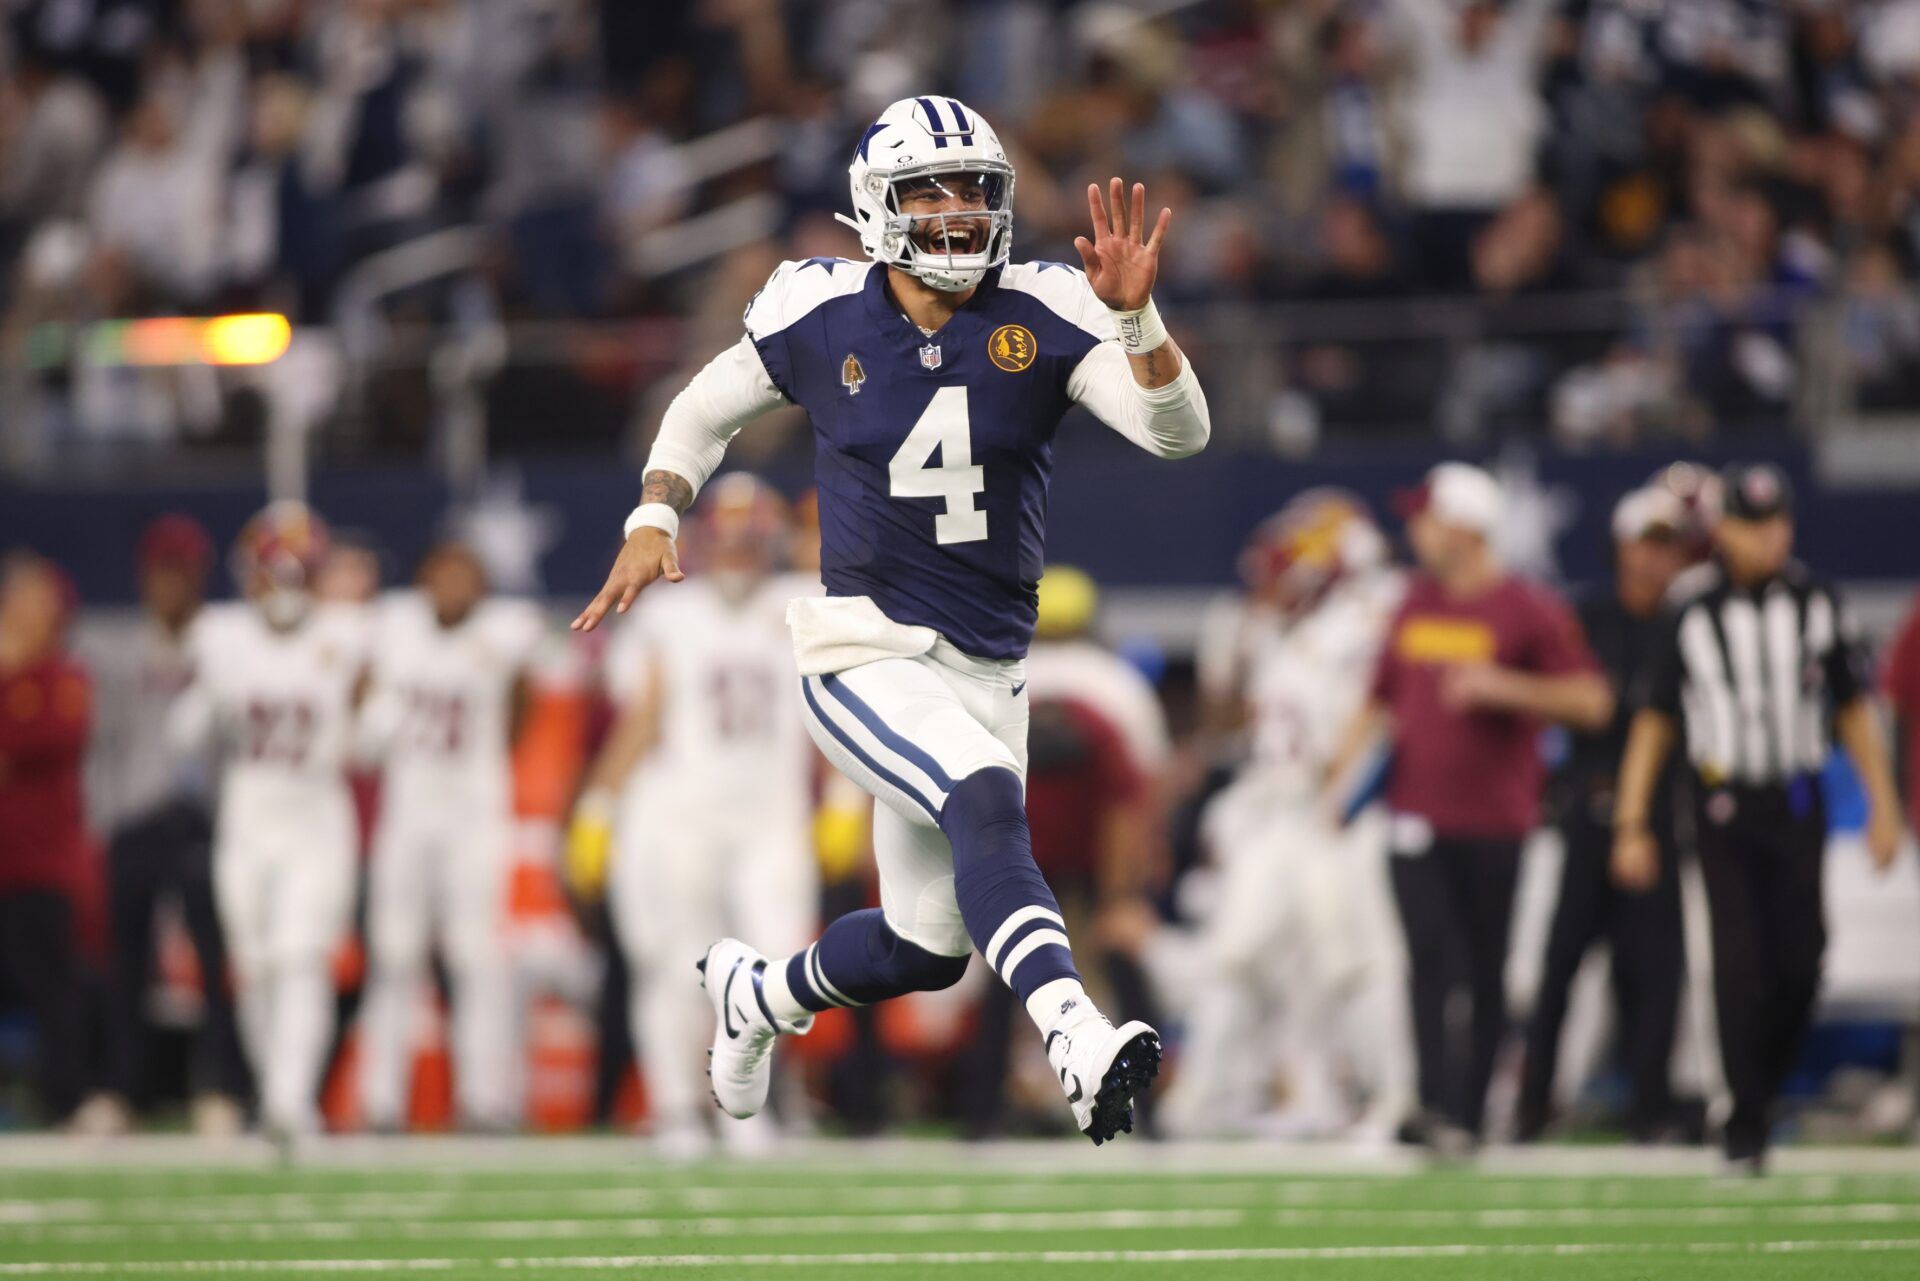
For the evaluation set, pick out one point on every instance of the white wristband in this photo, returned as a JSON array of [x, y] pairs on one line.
[[1140, 331], [654, 516]]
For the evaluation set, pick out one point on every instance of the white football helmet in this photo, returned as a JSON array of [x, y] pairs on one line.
[[937, 147]]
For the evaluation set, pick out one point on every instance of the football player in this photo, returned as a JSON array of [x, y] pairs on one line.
[[275, 682], [1301, 936], [706, 777], [935, 375], [448, 684]]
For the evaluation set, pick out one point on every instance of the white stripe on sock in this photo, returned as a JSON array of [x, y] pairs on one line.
[[1026, 947], [1015, 919], [827, 989]]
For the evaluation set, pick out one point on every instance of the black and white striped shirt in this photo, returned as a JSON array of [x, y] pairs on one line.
[[1756, 673]]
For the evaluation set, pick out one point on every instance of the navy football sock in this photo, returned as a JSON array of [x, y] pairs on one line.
[[1009, 911], [859, 960]]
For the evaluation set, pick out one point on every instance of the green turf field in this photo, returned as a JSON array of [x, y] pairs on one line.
[[931, 1210]]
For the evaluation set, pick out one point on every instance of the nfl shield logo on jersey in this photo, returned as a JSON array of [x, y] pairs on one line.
[[930, 357]]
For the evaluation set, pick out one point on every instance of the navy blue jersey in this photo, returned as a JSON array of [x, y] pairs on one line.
[[933, 453]]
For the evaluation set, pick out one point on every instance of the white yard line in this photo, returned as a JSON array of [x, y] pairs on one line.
[[1505, 1218], [1276, 1254], [565, 1229], [159, 1203], [443, 1154]]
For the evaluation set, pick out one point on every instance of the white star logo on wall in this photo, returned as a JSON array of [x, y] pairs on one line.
[[1535, 514], [508, 533]]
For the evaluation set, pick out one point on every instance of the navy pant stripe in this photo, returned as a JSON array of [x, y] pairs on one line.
[[846, 740], [885, 733]]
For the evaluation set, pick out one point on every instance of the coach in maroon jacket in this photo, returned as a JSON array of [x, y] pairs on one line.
[[44, 717], [1475, 662]]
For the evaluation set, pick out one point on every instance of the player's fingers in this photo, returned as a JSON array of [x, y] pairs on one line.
[[1137, 215], [670, 564], [590, 616], [630, 594], [1117, 206], [1098, 209], [1085, 247], [1159, 230]]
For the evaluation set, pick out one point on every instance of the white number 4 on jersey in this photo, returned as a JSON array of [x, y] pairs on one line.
[[943, 426]]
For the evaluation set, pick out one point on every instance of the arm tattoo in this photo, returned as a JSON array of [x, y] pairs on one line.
[[665, 487], [1156, 368]]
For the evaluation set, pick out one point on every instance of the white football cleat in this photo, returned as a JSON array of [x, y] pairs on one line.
[[740, 1063], [1101, 1067]]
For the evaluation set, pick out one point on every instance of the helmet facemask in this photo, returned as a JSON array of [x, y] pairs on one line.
[[948, 223]]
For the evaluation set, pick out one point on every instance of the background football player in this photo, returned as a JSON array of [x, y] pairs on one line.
[[1299, 937], [935, 376], [448, 686], [706, 775], [276, 679]]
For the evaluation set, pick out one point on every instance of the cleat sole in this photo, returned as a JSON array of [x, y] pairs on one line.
[[1133, 1070]]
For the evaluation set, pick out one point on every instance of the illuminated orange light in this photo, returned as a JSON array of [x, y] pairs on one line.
[[162, 340], [255, 339]]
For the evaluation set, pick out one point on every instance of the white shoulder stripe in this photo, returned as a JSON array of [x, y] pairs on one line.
[[795, 289], [1064, 291]]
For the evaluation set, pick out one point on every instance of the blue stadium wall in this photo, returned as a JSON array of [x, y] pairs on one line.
[[1131, 520]]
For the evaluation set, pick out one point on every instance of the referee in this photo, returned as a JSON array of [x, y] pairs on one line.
[[1760, 661]]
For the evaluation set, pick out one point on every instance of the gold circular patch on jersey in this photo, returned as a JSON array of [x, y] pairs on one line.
[[1012, 348]]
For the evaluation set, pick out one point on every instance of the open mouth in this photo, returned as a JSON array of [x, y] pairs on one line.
[[953, 238]]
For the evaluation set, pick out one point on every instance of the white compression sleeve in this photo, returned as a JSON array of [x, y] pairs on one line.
[[722, 398], [1169, 421]]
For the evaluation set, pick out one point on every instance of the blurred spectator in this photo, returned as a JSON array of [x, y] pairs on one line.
[[1706, 166], [1475, 662], [1473, 116], [52, 129], [45, 709], [1880, 331], [155, 206], [155, 809]]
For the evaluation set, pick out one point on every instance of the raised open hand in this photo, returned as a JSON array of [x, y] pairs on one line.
[[1122, 260]]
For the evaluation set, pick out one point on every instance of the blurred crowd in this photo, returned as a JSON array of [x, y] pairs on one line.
[[1639, 206], [293, 856]]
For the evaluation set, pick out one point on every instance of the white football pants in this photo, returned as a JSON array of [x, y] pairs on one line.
[[440, 878], [685, 874], [906, 730], [1297, 968], [283, 883]]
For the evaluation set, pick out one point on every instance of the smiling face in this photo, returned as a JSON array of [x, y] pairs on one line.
[[950, 211]]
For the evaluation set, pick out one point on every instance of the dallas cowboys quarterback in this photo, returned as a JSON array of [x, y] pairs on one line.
[[935, 377]]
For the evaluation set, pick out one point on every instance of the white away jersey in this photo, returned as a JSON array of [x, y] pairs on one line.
[[1307, 682], [730, 727], [441, 702], [277, 705]]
